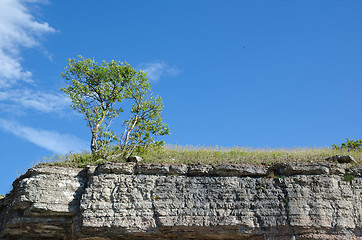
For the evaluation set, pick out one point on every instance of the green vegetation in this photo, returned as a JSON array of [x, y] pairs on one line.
[[100, 93], [350, 145], [208, 155], [287, 210], [2, 196], [348, 178]]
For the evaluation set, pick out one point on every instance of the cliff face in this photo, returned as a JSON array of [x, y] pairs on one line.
[[153, 201]]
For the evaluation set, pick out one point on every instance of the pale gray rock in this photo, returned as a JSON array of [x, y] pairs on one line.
[[166, 201], [178, 169], [152, 169], [44, 204], [199, 170], [117, 168], [239, 170]]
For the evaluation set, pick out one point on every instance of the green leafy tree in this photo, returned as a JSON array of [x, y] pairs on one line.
[[145, 121], [350, 145], [99, 92]]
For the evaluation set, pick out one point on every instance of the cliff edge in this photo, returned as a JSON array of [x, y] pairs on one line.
[[165, 201]]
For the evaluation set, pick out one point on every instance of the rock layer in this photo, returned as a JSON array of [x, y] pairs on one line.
[[164, 201]]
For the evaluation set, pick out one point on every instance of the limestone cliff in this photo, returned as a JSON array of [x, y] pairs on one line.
[[160, 201]]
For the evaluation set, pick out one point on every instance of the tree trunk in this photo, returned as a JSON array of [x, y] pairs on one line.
[[94, 147]]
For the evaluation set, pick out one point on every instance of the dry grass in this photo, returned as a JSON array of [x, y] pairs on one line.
[[213, 155]]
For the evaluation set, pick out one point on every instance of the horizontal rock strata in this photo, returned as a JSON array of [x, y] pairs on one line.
[[165, 201]]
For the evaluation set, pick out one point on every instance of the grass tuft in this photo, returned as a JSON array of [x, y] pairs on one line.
[[348, 178]]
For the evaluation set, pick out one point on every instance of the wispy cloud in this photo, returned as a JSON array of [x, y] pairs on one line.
[[156, 70], [50, 140], [40, 101], [18, 29]]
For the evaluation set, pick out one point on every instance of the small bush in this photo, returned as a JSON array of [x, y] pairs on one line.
[[350, 145]]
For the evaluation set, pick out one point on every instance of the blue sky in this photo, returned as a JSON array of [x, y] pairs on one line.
[[231, 73]]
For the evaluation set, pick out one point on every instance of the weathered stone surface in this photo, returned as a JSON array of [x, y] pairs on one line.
[[117, 168], [286, 169], [165, 201], [342, 159], [135, 159], [239, 170], [44, 203]]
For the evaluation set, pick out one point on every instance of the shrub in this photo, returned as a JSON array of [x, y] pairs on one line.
[[350, 145]]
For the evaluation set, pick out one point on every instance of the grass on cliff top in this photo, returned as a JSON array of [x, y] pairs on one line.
[[211, 155]]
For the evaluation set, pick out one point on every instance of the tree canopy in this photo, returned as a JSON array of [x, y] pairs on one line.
[[101, 91]]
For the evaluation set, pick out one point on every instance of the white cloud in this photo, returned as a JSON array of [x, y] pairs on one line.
[[40, 101], [157, 69], [18, 28], [50, 140]]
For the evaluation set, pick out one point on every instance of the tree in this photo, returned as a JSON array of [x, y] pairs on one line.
[[145, 120], [99, 91]]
